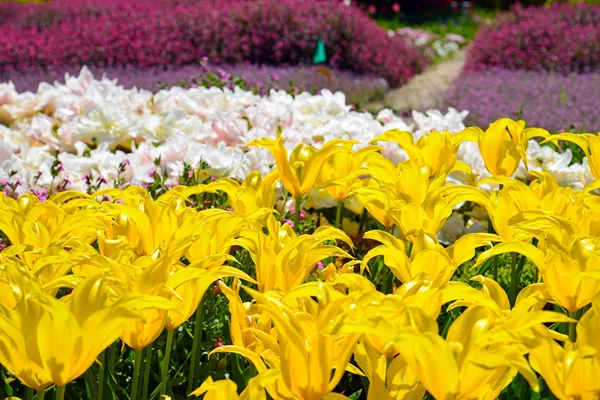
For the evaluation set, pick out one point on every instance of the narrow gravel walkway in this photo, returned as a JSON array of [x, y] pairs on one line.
[[425, 90]]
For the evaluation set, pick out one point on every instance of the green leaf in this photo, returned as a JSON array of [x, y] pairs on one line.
[[90, 384], [355, 395]]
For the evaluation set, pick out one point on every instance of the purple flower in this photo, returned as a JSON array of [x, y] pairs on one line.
[[547, 100], [117, 34], [41, 194], [561, 38]]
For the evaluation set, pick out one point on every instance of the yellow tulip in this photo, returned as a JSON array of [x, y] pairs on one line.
[[253, 194], [588, 142], [464, 366], [299, 171], [189, 284], [504, 145], [409, 198], [307, 355], [31, 222], [393, 381], [571, 371], [570, 269], [283, 260], [339, 166], [519, 324], [144, 224], [428, 259], [44, 340], [436, 150], [227, 389]]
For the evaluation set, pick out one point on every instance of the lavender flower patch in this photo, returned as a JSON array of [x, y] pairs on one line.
[[552, 101], [358, 88]]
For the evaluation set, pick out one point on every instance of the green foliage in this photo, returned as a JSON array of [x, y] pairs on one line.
[[466, 26]]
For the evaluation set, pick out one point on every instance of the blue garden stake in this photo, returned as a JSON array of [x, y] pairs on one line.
[[320, 55]]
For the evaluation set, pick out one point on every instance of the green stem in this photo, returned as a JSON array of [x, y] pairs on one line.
[[573, 326], [28, 393], [363, 221], [496, 268], [388, 284], [195, 344], [512, 291], [60, 392], [297, 214], [101, 374], [40, 394], [146, 381], [285, 199], [137, 363], [165, 371], [338, 215]]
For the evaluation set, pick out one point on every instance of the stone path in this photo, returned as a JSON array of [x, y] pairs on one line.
[[425, 90]]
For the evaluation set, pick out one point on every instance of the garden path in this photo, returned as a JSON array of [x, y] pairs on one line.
[[425, 90]]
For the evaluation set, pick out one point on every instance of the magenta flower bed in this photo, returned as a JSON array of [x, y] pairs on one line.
[[176, 32], [563, 38], [549, 100]]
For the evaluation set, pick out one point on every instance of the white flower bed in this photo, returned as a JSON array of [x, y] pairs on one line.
[[93, 126]]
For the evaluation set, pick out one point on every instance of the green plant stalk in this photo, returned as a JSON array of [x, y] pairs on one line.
[[388, 283], [286, 196], [60, 392], [197, 339], [573, 326], [137, 363], [512, 291], [147, 363], [363, 221], [28, 393], [338, 215], [40, 394], [101, 374], [165, 371], [297, 213]]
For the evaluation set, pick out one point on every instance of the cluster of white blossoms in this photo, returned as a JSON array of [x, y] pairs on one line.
[[95, 130]]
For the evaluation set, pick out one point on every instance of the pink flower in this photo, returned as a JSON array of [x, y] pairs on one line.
[[289, 222], [396, 7], [320, 265]]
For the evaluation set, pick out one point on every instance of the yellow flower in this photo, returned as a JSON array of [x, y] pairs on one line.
[[463, 366], [253, 194], [504, 145], [31, 222], [588, 142], [283, 260], [339, 166], [428, 259], [436, 150], [571, 371], [44, 340], [300, 170], [227, 389], [569, 266], [306, 355]]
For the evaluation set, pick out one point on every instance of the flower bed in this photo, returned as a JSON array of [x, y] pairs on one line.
[[318, 270], [357, 88], [97, 125], [167, 33], [562, 38], [552, 101]]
